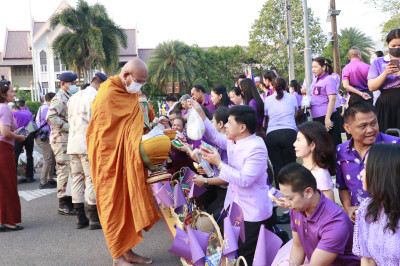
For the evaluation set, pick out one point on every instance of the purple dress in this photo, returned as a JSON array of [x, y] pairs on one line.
[[370, 240]]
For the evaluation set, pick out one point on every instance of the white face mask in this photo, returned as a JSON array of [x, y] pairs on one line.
[[134, 87]]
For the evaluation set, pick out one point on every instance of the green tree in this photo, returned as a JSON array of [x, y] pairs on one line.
[[393, 8], [349, 37], [172, 61], [92, 41], [393, 23], [268, 37]]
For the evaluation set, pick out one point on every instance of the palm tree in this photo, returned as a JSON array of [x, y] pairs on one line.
[[355, 37], [92, 41], [172, 61]]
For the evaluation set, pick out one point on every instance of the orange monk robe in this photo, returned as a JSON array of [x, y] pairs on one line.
[[124, 200]]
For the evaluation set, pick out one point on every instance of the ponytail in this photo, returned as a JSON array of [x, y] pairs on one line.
[[279, 84]]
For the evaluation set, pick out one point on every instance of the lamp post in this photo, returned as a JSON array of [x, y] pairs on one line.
[[307, 49], [290, 39]]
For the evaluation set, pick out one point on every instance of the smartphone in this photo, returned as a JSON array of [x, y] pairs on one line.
[[395, 61]]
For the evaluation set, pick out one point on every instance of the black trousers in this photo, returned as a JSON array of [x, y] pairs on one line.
[[335, 131], [252, 230], [355, 98], [280, 149], [28, 144]]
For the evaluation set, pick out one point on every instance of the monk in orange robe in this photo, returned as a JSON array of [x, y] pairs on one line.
[[124, 201]]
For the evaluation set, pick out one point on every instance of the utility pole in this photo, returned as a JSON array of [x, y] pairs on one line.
[[307, 49], [290, 39], [336, 57]]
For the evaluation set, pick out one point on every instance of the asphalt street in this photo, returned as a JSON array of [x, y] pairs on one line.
[[51, 239]]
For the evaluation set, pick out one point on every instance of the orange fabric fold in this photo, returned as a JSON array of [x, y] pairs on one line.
[[124, 200]]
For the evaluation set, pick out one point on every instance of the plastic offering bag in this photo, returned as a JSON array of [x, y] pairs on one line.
[[306, 102], [195, 126]]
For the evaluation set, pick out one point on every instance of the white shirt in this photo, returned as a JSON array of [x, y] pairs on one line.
[[79, 115]]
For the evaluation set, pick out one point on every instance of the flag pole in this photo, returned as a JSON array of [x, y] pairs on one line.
[[34, 70]]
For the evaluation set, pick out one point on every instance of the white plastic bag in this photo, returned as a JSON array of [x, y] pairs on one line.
[[306, 102], [195, 125]]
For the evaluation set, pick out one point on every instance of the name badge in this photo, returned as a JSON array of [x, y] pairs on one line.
[[317, 90]]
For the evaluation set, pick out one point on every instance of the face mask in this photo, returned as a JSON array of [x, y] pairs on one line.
[[394, 52], [72, 89], [134, 87]]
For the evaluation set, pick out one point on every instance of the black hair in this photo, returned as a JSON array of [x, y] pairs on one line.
[[170, 98], [298, 177], [393, 34], [178, 106], [96, 80], [241, 76], [379, 53], [270, 75], [84, 86], [250, 92], [245, 115], [4, 87], [279, 84], [175, 111], [206, 112], [221, 114], [362, 107], [237, 91], [15, 106], [21, 103], [322, 61], [49, 96], [183, 121], [324, 152], [199, 88], [383, 184], [296, 85], [221, 90]]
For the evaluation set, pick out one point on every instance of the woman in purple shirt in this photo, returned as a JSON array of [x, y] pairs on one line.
[[236, 96], [10, 207], [253, 99], [220, 97], [384, 75], [323, 98], [377, 230]]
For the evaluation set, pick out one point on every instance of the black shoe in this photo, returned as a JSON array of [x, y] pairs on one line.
[[30, 180], [22, 180], [283, 219], [47, 185], [52, 181], [63, 208], [4, 228]]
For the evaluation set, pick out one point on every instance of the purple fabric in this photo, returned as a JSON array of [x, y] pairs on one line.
[[184, 112], [342, 100], [319, 91], [231, 237], [356, 72], [268, 245], [209, 104], [377, 68], [336, 77], [299, 98], [181, 246], [236, 217], [196, 191], [188, 177], [198, 241], [7, 119], [156, 187], [263, 96], [224, 157], [196, 143], [41, 117], [165, 195], [179, 199], [349, 164], [246, 173], [328, 228], [253, 104], [281, 112], [371, 240], [23, 118]]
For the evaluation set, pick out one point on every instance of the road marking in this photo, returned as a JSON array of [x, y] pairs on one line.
[[29, 195]]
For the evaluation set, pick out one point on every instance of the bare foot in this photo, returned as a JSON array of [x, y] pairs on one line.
[[132, 257], [121, 262]]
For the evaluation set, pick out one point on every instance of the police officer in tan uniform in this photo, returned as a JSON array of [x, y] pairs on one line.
[[57, 118]]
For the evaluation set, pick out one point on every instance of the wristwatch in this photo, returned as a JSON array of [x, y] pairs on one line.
[[220, 166], [205, 183]]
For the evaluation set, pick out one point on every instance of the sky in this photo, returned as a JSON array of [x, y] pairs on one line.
[[205, 23]]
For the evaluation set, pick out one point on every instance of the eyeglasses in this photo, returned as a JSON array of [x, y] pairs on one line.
[[134, 79]]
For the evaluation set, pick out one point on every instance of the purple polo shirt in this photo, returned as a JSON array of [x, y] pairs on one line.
[[7, 119], [299, 98], [253, 104], [209, 104], [356, 72], [349, 164], [23, 118], [320, 90], [41, 117], [336, 77], [281, 112], [378, 67], [328, 228]]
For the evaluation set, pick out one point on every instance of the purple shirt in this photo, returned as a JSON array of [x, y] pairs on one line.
[[349, 164], [224, 158], [378, 67], [356, 72], [209, 104], [246, 173], [281, 112], [336, 77], [299, 98], [23, 118], [184, 112], [7, 119], [41, 117], [371, 240], [253, 104], [319, 91], [342, 101], [328, 228]]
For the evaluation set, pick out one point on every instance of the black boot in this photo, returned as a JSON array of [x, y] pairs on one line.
[[82, 220], [94, 222], [63, 208], [70, 204]]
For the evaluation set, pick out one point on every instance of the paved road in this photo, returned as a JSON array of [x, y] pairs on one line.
[[51, 239]]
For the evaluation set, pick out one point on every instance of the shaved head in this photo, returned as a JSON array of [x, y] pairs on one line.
[[354, 52], [135, 68]]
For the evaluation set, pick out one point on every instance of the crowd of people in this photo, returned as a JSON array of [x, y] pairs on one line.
[[258, 130]]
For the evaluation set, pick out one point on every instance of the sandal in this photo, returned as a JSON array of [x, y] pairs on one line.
[[5, 228]]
